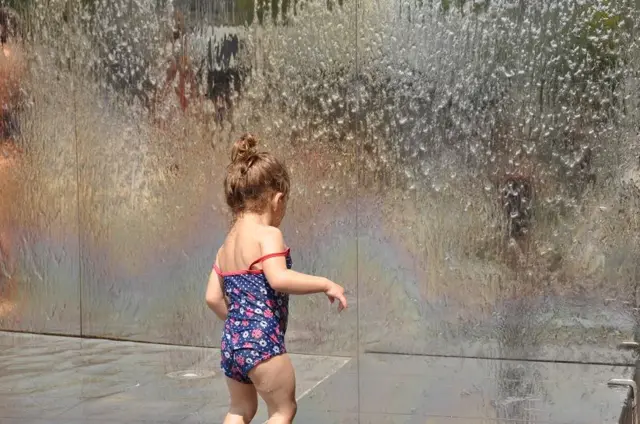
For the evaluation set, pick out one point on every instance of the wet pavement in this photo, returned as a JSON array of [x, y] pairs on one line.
[[48, 379]]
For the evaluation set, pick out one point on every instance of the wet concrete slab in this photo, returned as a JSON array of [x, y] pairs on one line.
[[58, 379], [46, 379], [413, 389]]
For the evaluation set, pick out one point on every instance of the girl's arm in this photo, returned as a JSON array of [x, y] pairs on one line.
[[287, 281], [215, 295]]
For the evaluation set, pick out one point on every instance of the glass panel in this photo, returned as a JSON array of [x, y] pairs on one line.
[[498, 188], [39, 285], [153, 156], [150, 219]]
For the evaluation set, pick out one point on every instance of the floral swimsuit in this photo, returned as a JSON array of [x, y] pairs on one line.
[[257, 320]]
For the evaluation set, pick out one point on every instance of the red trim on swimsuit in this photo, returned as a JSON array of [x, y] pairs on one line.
[[249, 270]]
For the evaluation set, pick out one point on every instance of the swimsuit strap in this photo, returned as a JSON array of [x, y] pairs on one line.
[[269, 256], [216, 268]]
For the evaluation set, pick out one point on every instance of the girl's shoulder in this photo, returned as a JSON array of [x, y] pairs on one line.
[[250, 243], [270, 239], [267, 231]]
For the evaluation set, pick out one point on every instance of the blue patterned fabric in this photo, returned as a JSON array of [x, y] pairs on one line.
[[256, 323]]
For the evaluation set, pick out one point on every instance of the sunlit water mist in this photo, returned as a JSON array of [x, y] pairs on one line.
[[409, 116]]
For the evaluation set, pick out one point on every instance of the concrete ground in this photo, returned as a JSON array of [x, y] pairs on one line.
[[46, 379]]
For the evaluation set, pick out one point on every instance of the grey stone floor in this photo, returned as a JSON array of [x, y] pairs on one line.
[[45, 379]]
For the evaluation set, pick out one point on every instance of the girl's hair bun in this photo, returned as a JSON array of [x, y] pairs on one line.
[[253, 177], [244, 148]]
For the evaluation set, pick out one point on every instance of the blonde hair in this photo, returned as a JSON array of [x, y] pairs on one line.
[[253, 177]]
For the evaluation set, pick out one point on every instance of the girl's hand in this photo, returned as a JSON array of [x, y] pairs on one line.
[[335, 291]]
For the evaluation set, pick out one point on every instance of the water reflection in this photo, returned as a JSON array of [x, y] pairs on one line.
[[482, 146], [521, 321], [520, 392]]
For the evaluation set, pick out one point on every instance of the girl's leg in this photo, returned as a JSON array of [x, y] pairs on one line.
[[275, 382], [7, 281], [244, 402]]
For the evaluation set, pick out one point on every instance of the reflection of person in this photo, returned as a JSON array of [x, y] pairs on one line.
[[179, 66], [252, 295], [8, 24]]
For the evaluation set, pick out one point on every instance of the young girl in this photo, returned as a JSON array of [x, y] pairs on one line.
[[250, 285]]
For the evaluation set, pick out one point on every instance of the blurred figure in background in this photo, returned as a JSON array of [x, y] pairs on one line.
[[180, 76], [12, 70]]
